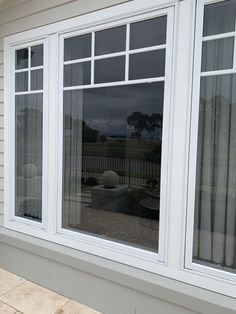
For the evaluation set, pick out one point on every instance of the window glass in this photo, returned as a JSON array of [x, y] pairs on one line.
[[109, 70], [22, 59], [29, 138], [77, 47], [77, 74], [218, 54], [214, 240], [148, 33], [36, 55], [112, 162], [21, 82], [110, 40], [219, 18], [147, 64], [37, 79]]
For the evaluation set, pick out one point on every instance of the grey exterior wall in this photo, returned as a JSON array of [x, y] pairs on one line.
[[110, 287]]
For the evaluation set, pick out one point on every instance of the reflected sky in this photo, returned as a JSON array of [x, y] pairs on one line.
[[106, 109]]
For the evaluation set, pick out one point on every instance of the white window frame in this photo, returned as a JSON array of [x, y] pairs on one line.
[[51, 228], [21, 223], [91, 241], [189, 263], [173, 263]]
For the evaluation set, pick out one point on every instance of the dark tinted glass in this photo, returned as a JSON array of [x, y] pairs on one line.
[[21, 81], [217, 54], [215, 197], [37, 79], [148, 33], [22, 58], [110, 40], [117, 129], [77, 74], [77, 47], [109, 70], [147, 65], [29, 148], [219, 18], [36, 55]]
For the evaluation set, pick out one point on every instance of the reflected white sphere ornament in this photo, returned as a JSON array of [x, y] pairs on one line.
[[29, 170], [110, 179]]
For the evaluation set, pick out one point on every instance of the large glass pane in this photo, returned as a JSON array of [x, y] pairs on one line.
[[110, 40], [37, 79], [148, 33], [77, 47], [219, 18], [109, 70], [21, 83], [22, 59], [36, 55], [112, 162], [29, 148], [77, 74], [147, 65], [218, 54], [215, 199]]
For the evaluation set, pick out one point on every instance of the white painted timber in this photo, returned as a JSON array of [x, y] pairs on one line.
[[55, 14]]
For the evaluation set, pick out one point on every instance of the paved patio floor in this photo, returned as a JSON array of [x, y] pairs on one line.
[[19, 296]]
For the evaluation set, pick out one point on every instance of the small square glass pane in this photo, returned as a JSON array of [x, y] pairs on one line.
[[21, 82], [217, 54], [22, 59], [109, 70], [77, 47], [219, 18], [147, 65], [110, 40], [77, 74], [37, 79], [148, 33], [36, 55]]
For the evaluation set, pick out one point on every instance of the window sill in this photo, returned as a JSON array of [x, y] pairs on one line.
[[157, 286]]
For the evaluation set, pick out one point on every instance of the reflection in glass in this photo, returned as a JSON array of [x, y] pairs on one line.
[[37, 79], [215, 199], [22, 59], [219, 18], [109, 70], [110, 40], [148, 33], [77, 47], [77, 74], [217, 54], [113, 129], [147, 64], [21, 83], [29, 138], [36, 55]]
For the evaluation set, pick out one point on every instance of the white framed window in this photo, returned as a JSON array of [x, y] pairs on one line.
[[115, 92], [96, 90], [27, 130], [211, 244], [111, 88]]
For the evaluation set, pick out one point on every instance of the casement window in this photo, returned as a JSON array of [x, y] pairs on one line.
[[213, 150], [92, 108], [115, 99], [29, 124]]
